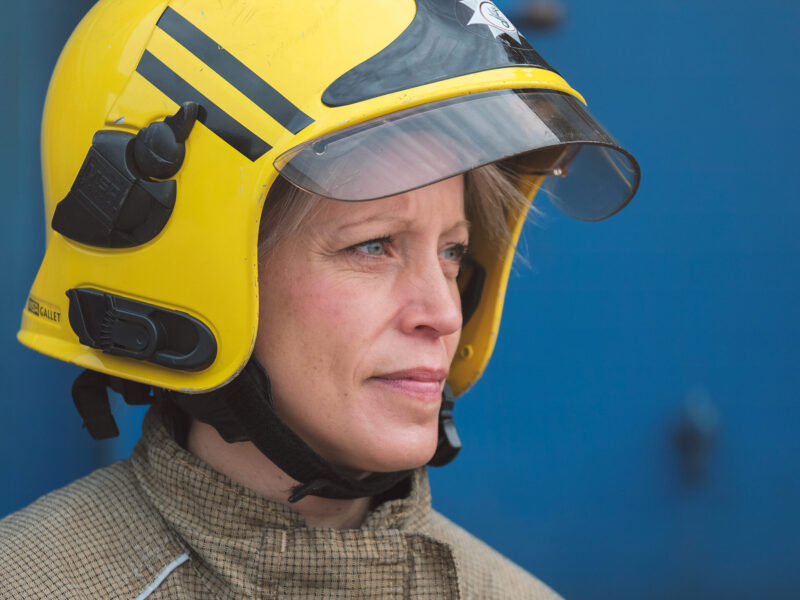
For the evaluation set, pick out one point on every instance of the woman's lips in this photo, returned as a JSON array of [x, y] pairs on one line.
[[420, 381]]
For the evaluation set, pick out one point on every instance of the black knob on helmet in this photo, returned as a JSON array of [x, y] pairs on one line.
[[159, 149]]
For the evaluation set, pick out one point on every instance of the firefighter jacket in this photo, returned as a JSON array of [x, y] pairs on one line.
[[165, 525]]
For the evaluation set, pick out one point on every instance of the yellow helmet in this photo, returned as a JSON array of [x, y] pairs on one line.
[[167, 122]]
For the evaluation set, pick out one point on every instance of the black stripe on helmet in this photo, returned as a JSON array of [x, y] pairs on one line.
[[227, 66], [212, 116]]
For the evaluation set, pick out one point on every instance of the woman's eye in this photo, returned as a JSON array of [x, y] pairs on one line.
[[372, 247], [455, 253]]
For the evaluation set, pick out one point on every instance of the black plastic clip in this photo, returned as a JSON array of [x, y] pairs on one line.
[[117, 200], [449, 443]]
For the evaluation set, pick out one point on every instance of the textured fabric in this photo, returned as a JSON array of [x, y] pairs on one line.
[[118, 531]]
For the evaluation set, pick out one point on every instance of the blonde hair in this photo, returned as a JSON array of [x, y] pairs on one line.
[[491, 195]]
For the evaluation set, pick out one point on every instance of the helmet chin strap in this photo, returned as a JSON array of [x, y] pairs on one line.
[[243, 410]]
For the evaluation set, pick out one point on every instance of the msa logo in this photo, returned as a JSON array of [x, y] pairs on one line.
[[102, 187]]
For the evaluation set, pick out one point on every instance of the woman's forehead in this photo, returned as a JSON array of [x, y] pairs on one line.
[[442, 202]]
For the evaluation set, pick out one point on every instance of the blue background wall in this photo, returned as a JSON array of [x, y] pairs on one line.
[[675, 320]]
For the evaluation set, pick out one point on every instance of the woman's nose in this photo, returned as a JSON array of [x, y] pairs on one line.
[[432, 304]]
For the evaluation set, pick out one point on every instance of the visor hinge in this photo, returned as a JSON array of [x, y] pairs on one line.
[[127, 333], [134, 329]]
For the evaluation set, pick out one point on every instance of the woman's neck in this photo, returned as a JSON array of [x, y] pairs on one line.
[[246, 465]]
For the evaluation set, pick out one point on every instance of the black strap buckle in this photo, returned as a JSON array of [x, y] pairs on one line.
[[90, 395], [449, 443], [91, 399]]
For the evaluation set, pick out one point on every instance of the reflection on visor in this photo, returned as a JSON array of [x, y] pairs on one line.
[[536, 132]]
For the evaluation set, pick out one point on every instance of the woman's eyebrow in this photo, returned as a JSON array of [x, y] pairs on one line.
[[381, 218], [397, 221], [462, 223]]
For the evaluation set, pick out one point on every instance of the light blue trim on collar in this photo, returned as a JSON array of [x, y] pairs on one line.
[[162, 576]]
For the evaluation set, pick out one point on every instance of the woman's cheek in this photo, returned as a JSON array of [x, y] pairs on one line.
[[341, 301], [324, 303]]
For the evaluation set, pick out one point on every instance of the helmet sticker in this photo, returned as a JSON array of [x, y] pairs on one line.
[[486, 13], [239, 75], [43, 310], [212, 116]]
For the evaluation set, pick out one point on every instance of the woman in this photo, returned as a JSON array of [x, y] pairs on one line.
[[289, 227]]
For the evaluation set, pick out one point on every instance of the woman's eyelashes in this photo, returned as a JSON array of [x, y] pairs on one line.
[[455, 252], [384, 246], [373, 248]]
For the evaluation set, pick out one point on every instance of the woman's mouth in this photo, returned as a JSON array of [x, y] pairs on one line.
[[423, 382]]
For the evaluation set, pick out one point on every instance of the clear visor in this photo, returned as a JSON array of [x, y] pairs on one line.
[[538, 132]]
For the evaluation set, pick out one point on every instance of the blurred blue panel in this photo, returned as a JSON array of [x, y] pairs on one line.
[[42, 444], [696, 283]]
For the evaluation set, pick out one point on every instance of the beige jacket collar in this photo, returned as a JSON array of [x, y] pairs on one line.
[[245, 545]]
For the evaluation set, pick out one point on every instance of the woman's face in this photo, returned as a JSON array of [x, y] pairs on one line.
[[360, 317]]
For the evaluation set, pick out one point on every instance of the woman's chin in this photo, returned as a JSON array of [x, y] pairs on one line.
[[391, 453]]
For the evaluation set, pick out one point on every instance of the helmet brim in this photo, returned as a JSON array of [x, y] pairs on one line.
[[538, 132]]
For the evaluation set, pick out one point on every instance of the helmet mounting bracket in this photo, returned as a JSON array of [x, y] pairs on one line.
[[119, 198]]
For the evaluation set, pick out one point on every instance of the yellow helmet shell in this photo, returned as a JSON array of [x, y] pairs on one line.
[[259, 70]]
